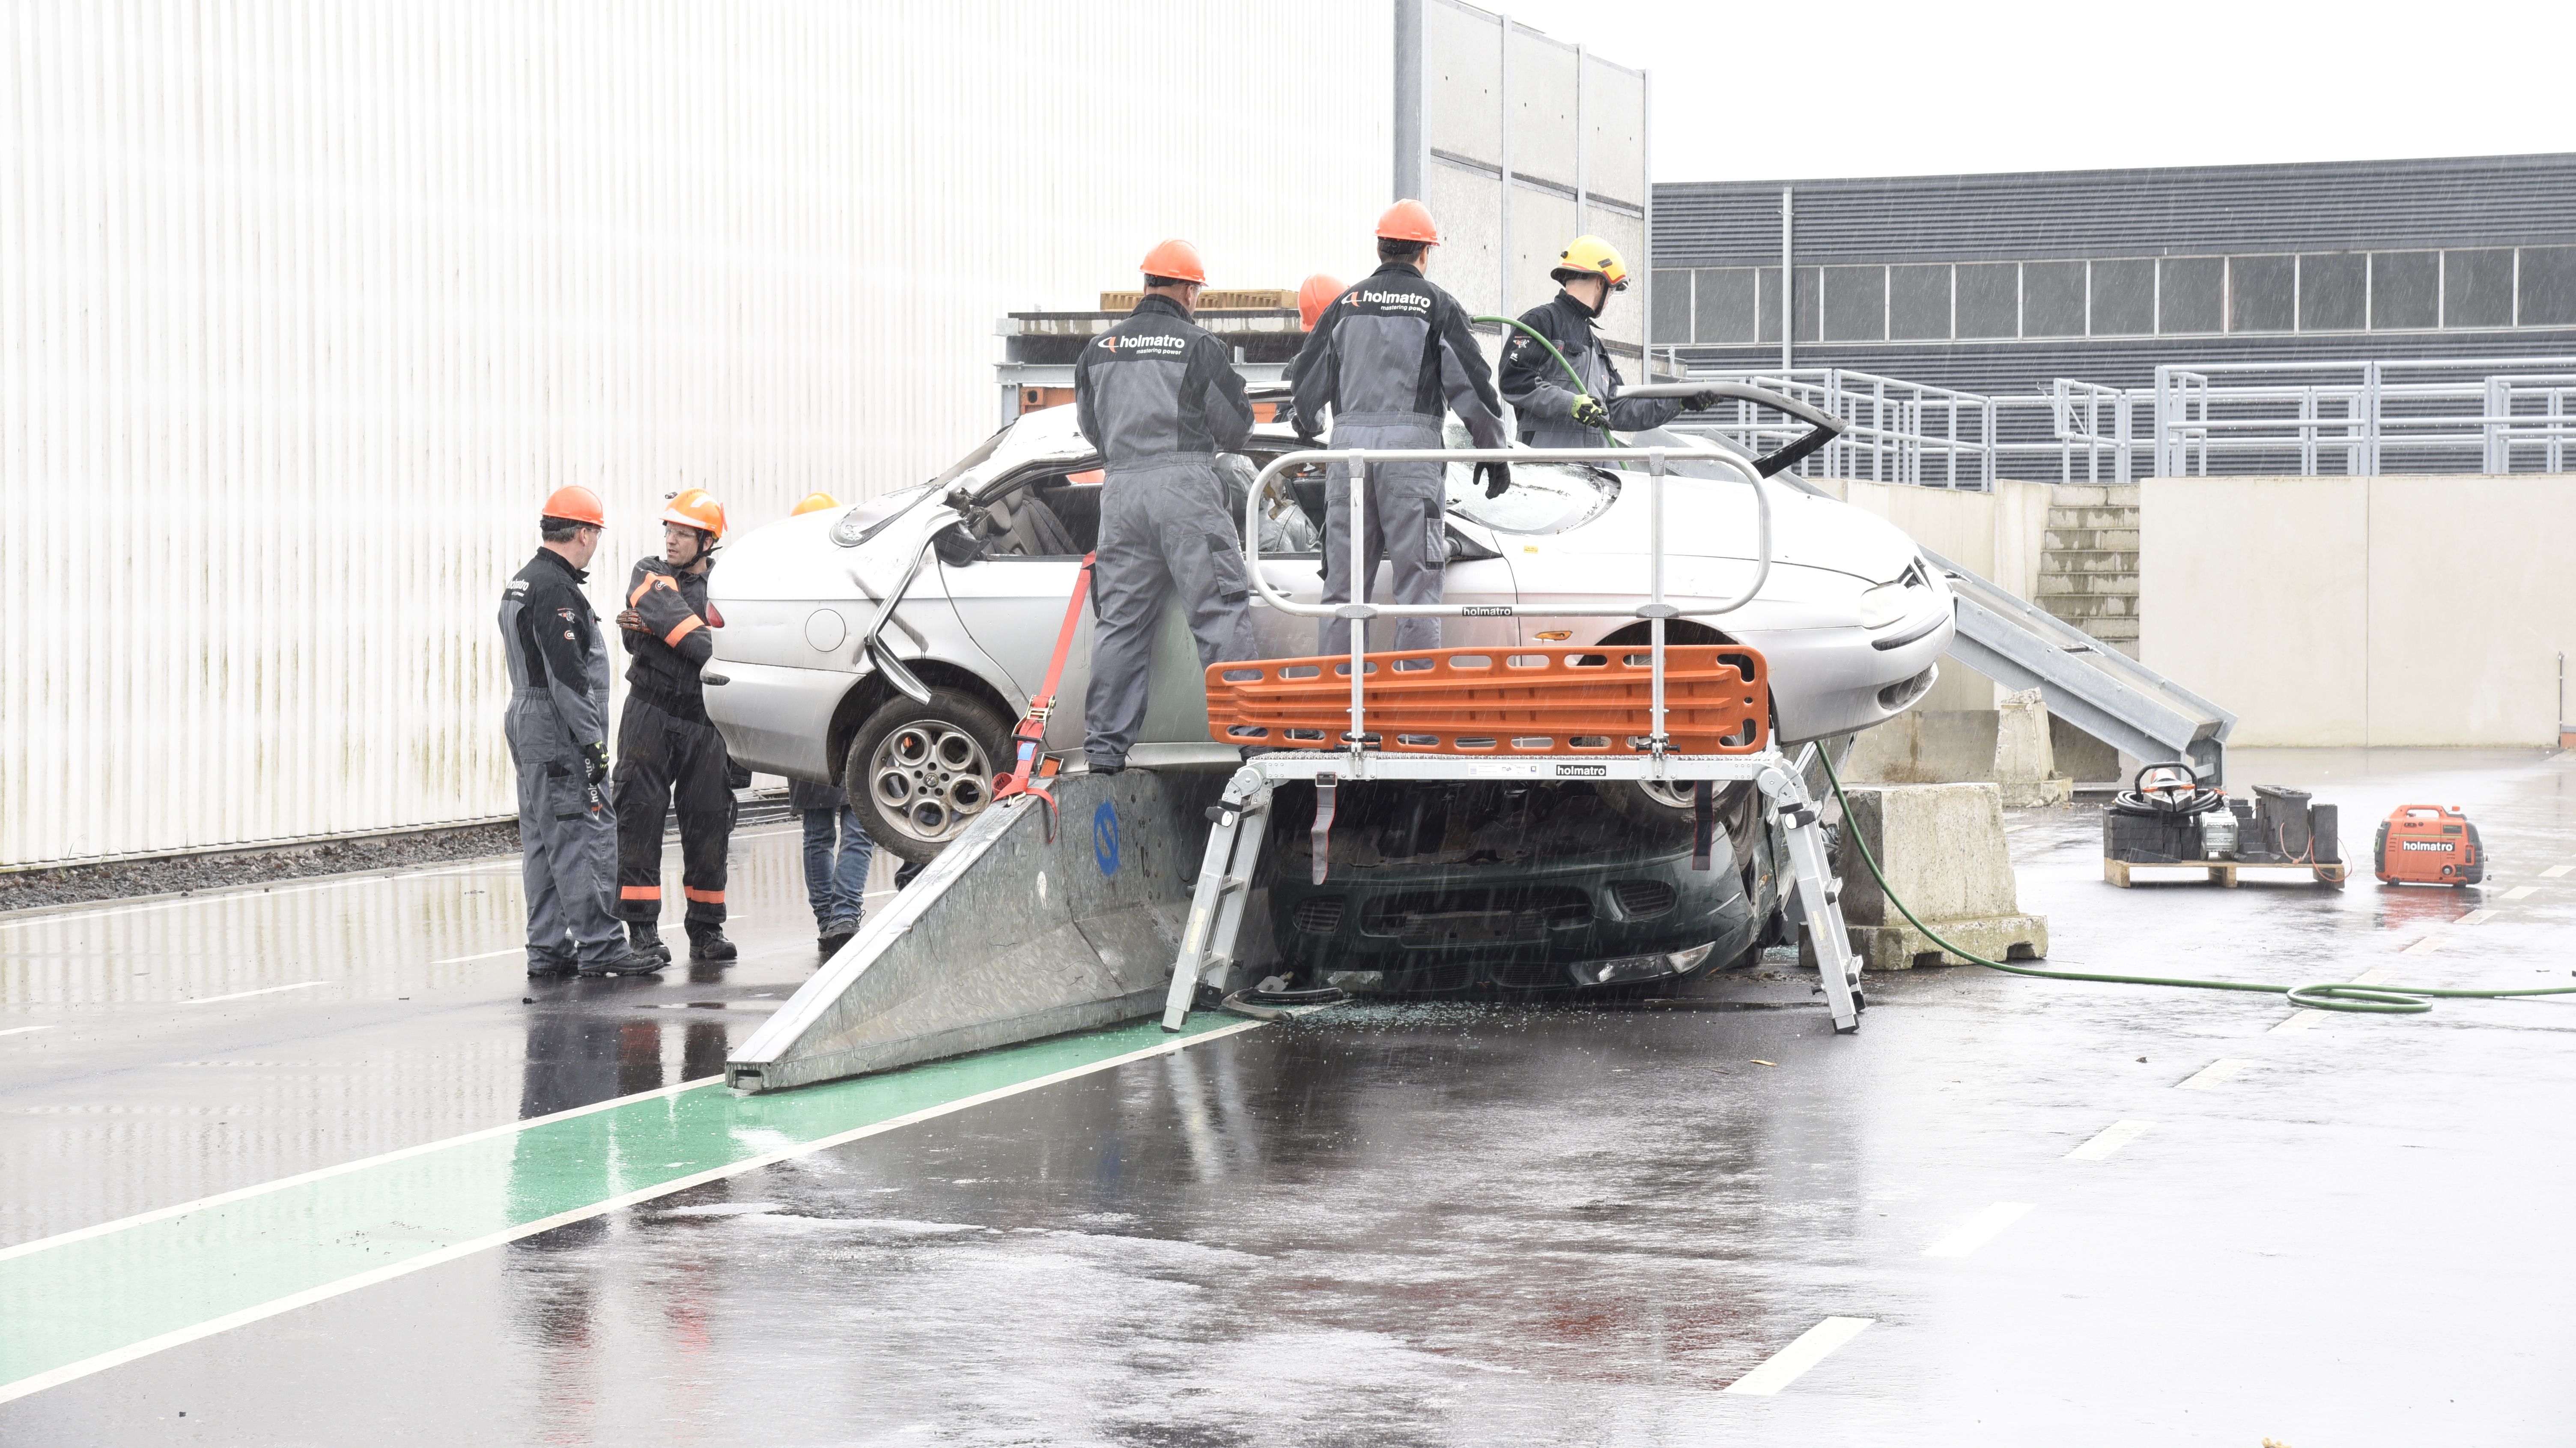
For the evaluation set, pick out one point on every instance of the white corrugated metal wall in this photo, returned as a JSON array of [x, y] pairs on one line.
[[305, 306]]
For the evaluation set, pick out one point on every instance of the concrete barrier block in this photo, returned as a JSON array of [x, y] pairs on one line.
[[1942, 848], [2025, 759]]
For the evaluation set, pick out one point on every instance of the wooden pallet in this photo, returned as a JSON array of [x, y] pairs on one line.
[[2224, 872]]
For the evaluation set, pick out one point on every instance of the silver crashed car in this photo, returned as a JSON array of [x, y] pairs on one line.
[[911, 706]]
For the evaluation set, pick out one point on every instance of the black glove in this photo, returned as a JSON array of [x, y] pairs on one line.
[[1495, 476], [1588, 413], [594, 760], [1703, 401]]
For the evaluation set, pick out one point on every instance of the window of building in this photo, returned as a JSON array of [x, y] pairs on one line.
[[1918, 301], [2052, 299], [1855, 303], [1802, 302], [2477, 288], [2262, 293], [1722, 308], [1990, 299], [2124, 298], [2192, 294], [2333, 286], [2406, 289], [1672, 319], [2548, 287]]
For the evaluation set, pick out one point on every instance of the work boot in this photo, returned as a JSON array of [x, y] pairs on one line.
[[707, 942], [836, 934], [645, 938], [542, 966], [905, 873], [628, 962]]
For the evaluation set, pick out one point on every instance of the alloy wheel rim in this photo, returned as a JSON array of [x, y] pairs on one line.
[[929, 778]]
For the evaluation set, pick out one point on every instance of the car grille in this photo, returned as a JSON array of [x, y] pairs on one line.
[[1321, 915], [1455, 918], [1643, 899]]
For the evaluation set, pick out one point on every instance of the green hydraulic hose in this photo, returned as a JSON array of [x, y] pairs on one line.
[[2395, 1000], [1581, 388]]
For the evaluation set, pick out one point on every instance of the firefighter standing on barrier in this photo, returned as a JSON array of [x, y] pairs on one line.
[[667, 752], [1389, 356], [1553, 412], [1161, 400], [557, 726]]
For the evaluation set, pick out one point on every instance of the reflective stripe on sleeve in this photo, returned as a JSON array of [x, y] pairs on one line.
[[683, 629]]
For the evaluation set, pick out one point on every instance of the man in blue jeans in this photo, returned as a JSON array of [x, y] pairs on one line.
[[837, 847], [837, 854]]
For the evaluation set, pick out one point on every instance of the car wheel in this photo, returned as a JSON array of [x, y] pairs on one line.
[[919, 772], [1646, 801]]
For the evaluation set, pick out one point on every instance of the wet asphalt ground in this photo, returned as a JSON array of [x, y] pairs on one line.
[[2007, 1211]]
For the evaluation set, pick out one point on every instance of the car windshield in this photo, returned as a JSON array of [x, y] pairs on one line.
[[1543, 497]]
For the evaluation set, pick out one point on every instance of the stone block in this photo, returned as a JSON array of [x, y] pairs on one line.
[[2025, 761], [1942, 848]]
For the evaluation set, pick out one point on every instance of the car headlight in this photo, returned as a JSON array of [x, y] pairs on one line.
[[1884, 605], [1639, 967]]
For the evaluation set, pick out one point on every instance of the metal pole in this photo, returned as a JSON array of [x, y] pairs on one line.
[[1503, 220], [1655, 626], [1788, 283], [1409, 147], [1362, 579]]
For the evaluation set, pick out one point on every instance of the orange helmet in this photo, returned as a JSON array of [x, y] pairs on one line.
[[1176, 259], [576, 504], [693, 508], [1313, 295], [1408, 220], [814, 503]]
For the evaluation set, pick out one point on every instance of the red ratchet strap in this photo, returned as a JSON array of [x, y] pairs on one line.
[[1031, 733]]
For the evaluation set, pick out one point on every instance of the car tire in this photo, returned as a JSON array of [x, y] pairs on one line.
[[917, 773]]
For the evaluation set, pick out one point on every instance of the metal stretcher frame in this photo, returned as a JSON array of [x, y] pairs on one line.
[[1239, 821]]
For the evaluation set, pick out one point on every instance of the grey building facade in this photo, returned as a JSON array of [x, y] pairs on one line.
[[1999, 283]]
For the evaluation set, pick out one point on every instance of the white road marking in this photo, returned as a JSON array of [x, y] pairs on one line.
[[2425, 946], [2556, 872], [2216, 1073], [487, 955], [1980, 1229], [2298, 1020], [1789, 1363], [246, 892], [2475, 917], [133, 1351], [2521, 892], [245, 994], [2111, 1138], [22, 1030]]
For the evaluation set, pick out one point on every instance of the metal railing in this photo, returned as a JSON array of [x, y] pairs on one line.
[[1653, 608], [2473, 415]]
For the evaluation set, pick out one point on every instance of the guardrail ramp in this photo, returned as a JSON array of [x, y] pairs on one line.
[[1006, 936], [2084, 681]]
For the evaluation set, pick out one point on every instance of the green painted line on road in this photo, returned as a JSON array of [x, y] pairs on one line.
[[100, 1300]]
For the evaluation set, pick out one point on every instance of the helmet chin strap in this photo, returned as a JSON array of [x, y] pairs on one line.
[[704, 548]]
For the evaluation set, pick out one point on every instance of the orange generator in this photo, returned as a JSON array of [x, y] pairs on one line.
[[2428, 844]]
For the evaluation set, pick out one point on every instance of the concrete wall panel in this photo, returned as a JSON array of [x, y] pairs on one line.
[[2254, 593], [2469, 607]]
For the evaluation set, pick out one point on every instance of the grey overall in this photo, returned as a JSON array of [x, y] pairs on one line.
[[1405, 508], [567, 830], [1164, 531]]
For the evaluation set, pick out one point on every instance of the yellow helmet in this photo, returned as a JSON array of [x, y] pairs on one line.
[[814, 503], [1591, 256]]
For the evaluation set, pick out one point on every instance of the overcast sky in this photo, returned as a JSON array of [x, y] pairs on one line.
[[1864, 89]]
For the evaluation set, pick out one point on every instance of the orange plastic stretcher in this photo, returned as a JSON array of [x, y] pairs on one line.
[[1499, 701]]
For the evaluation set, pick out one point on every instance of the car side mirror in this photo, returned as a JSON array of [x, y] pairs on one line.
[[1457, 547]]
